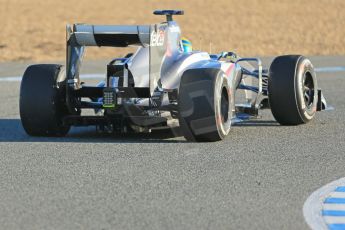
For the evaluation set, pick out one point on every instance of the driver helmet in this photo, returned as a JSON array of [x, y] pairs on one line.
[[186, 45]]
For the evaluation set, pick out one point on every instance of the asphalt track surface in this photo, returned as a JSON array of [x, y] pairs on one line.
[[257, 178]]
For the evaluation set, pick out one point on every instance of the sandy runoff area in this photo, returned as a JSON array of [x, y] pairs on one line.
[[34, 30]]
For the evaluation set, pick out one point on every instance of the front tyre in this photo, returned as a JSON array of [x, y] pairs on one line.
[[42, 101], [292, 90], [204, 105]]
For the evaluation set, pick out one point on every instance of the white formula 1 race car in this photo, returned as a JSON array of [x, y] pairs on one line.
[[164, 84]]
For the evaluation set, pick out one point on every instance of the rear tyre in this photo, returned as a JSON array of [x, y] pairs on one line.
[[292, 90], [42, 101], [204, 105]]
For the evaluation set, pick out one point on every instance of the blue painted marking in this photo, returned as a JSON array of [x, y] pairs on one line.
[[336, 226], [243, 116], [340, 189], [332, 200], [333, 213]]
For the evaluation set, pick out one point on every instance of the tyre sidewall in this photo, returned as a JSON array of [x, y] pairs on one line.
[[305, 66], [222, 127]]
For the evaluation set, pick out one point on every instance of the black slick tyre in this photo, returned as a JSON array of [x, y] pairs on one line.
[[292, 90], [204, 105], [42, 101]]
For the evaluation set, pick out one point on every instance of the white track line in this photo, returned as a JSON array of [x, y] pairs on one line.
[[312, 208], [82, 76], [335, 219], [336, 207], [102, 76], [338, 194], [330, 69]]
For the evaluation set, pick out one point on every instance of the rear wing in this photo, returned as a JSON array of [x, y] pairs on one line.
[[111, 35], [80, 35], [154, 37]]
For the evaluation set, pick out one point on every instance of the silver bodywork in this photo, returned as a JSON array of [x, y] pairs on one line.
[[159, 61]]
